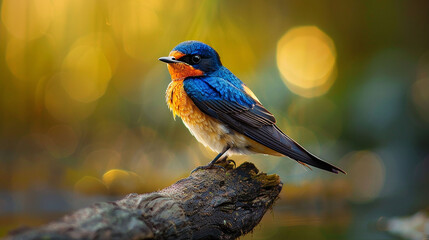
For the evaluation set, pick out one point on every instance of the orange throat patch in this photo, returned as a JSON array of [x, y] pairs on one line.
[[180, 71], [175, 96], [180, 103]]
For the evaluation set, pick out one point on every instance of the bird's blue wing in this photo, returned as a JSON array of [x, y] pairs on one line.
[[234, 107], [217, 97]]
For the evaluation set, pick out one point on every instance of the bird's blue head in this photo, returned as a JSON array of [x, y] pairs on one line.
[[190, 59]]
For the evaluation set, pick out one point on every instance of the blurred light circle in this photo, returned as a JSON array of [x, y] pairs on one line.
[[87, 73], [30, 60], [122, 182], [61, 106], [26, 19], [137, 24], [306, 59], [62, 140], [103, 42], [366, 173]]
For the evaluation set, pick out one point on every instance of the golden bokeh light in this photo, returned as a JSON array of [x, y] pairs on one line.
[[137, 24], [27, 19], [122, 182], [87, 73], [29, 60], [61, 106], [306, 59], [102, 42], [366, 173]]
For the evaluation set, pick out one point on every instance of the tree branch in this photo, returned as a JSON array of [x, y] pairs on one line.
[[209, 204]]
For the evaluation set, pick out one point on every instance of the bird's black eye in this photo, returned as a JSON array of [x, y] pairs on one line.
[[195, 59]]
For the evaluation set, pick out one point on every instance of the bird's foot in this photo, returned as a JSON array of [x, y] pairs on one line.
[[231, 161]]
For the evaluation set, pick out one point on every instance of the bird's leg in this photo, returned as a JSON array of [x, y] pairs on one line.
[[212, 163], [218, 156]]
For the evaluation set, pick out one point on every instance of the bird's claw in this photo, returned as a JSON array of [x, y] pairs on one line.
[[231, 161]]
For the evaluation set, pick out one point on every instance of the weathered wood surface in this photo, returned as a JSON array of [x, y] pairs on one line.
[[209, 204]]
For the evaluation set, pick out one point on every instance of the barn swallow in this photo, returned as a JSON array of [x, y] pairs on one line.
[[222, 112]]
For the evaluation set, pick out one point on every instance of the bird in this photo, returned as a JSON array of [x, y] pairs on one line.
[[222, 113]]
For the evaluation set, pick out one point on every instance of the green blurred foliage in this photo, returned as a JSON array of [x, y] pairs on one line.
[[82, 106]]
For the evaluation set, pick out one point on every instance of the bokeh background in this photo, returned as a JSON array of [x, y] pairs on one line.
[[83, 115]]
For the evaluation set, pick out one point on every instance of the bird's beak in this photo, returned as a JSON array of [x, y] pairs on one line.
[[168, 60]]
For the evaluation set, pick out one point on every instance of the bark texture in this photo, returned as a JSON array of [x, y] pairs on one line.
[[210, 204]]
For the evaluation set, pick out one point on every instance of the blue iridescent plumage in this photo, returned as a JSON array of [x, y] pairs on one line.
[[214, 88]]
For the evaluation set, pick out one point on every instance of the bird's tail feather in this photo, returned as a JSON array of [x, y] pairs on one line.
[[301, 155], [272, 137], [298, 153], [317, 162]]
